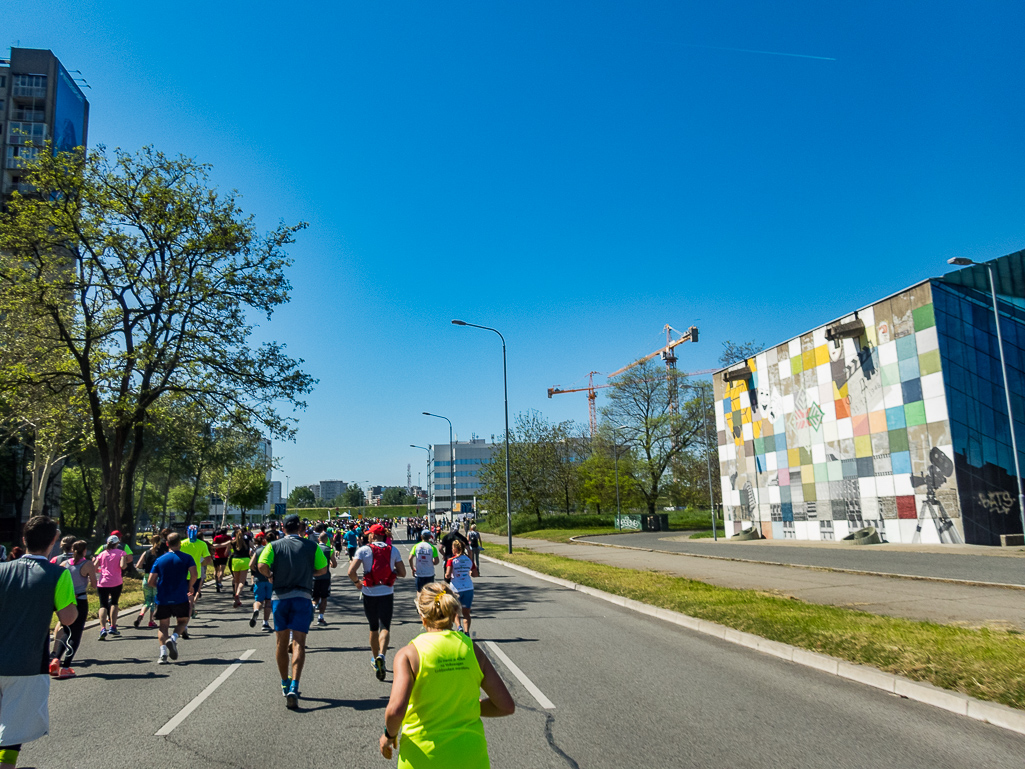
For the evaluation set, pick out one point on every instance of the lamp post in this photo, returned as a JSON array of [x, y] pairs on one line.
[[708, 466], [962, 262], [505, 388], [424, 448], [452, 464]]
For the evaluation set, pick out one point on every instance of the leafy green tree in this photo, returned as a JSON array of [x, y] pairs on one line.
[[597, 475], [393, 495], [301, 496], [149, 279], [353, 497], [182, 499], [247, 488]]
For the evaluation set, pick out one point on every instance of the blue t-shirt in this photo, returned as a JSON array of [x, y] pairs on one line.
[[351, 539], [173, 577]]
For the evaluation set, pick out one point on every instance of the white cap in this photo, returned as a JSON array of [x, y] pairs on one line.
[[112, 540]]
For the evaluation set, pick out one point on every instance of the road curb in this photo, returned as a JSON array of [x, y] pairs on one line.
[[891, 575], [121, 612], [979, 710]]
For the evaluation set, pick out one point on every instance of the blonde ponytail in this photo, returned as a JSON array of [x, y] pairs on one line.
[[439, 606]]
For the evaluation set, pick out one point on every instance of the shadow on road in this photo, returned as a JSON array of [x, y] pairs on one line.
[[330, 704]]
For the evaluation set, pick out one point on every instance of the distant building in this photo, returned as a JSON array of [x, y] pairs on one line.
[[329, 490], [315, 488], [892, 416], [468, 457], [275, 494], [39, 101]]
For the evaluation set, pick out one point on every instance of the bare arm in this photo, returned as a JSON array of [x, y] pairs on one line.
[[69, 614], [265, 571], [400, 569], [193, 574], [354, 565], [152, 579], [320, 572], [498, 702], [412, 558], [448, 571], [407, 661]]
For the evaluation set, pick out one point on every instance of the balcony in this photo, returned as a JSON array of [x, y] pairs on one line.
[[30, 91], [29, 115]]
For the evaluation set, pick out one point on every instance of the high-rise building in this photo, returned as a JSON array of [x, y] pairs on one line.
[[468, 456], [892, 416], [39, 101], [330, 490]]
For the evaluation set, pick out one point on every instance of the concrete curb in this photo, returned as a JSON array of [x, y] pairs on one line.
[[891, 575], [979, 710], [122, 612]]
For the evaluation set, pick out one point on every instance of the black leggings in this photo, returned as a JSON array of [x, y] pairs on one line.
[[69, 637]]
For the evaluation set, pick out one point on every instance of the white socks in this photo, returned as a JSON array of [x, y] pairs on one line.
[[163, 650], [174, 637]]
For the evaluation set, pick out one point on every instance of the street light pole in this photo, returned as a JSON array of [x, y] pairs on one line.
[[505, 389], [708, 465], [452, 464], [961, 261], [424, 448]]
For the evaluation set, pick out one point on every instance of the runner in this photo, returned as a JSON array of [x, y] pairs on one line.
[[381, 565], [448, 539], [422, 560], [149, 594], [31, 588], [221, 543], [197, 547], [435, 699], [351, 541], [322, 584], [67, 639], [240, 555], [261, 586], [120, 546], [66, 553], [473, 537], [110, 566], [291, 564], [458, 570], [171, 575]]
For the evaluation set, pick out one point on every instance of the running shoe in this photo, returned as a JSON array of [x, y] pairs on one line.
[[252, 620], [151, 624], [55, 667], [379, 667], [103, 634], [66, 673], [218, 586], [194, 614], [138, 621], [267, 627], [286, 684], [162, 660], [321, 621], [292, 695], [185, 635], [237, 603], [115, 631], [172, 648]]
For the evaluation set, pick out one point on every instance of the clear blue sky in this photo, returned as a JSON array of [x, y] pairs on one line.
[[576, 174]]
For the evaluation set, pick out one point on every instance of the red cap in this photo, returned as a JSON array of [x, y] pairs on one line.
[[377, 529], [115, 533]]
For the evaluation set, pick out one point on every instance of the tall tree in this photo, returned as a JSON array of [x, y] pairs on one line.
[[734, 352], [640, 403], [149, 277]]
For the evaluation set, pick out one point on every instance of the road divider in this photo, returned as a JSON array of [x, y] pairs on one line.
[[529, 685], [185, 712]]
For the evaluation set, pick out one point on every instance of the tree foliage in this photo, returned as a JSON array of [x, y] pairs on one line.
[[144, 278], [301, 496]]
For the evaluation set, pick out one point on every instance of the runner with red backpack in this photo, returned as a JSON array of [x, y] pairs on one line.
[[381, 563]]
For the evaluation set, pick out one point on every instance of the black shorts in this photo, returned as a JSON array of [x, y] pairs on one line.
[[220, 561], [176, 610], [351, 551], [321, 588], [197, 587], [378, 609], [109, 596]]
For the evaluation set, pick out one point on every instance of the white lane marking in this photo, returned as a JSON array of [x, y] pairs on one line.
[[185, 712], [543, 701]]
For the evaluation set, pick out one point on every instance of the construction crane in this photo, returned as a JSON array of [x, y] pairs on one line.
[[592, 397], [669, 356]]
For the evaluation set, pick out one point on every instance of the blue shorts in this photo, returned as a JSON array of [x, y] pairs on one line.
[[292, 614], [466, 598], [262, 591]]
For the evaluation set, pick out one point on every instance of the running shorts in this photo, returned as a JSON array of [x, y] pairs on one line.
[[25, 715], [220, 560], [176, 610], [292, 614], [466, 598], [351, 551], [421, 581], [149, 596], [321, 588], [109, 596], [378, 609], [197, 587], [262, 591], [240, 564]]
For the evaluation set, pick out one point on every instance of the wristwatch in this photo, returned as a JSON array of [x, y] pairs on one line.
[[389, 736]]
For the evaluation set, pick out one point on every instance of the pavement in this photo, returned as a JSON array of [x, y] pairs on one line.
[[596, 686], [736, 566]]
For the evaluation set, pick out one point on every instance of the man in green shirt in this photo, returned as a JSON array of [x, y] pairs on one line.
[[291, 564], [195, 546]]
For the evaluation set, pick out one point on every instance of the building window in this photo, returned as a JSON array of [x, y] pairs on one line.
[[30, 85], [19, 133]]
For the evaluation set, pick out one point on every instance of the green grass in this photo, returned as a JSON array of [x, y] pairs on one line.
[[680, 520], [564, 535], [131, 595], [984, 663]]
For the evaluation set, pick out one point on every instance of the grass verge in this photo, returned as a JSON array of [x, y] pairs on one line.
[[131, 595], [984, 663], [564, 535], [522, 523]]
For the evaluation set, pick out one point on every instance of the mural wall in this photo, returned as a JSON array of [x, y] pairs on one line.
[[826, 437]]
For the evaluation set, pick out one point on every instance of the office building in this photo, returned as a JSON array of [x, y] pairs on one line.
[[468, 456], [330, 490], [39, 101], [892, 416]]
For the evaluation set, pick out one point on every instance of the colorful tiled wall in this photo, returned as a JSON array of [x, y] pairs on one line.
[[827, 437]]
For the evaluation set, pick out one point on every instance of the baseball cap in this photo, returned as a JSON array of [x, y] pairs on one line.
[[426, 534], [377, 529], [115, 533], [112, 540], [292, 519]]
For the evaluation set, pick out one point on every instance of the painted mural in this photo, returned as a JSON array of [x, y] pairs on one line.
[[827, 437]]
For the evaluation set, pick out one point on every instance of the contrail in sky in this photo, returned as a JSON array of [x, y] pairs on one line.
[[749, 50]]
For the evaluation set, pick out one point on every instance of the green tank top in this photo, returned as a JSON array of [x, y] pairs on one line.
[[442, 727]]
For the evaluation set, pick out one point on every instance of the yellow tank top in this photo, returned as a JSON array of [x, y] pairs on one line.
[[442, 727]]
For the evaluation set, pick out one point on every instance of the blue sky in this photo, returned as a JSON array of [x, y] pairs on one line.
[[575, 174]]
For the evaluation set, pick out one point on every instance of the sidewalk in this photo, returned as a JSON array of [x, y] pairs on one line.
[[943, 602]]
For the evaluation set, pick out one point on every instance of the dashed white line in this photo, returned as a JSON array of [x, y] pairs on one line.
[[184, 713], [538, 695]]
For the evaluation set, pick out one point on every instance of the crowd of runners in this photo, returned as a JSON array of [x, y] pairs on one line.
[[286, 570]]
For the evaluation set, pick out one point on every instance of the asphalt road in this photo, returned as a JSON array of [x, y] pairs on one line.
[[1007, 570], [627, 690]]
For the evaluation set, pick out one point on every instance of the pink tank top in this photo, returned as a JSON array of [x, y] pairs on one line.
[[108, 568]]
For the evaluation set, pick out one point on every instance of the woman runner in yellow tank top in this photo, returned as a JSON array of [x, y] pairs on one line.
[[435, 694]]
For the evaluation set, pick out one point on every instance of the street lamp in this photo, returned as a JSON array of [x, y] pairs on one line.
[[962, 261], [615, 446], [452, 464], [708, 466], [505, 388], [414, 446]]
